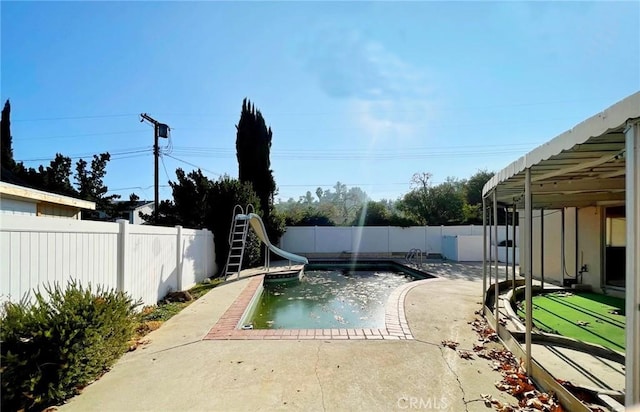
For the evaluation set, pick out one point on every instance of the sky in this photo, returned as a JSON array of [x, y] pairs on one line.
[[365, 93]]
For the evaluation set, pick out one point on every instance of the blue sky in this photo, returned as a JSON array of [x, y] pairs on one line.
[[363, 93]]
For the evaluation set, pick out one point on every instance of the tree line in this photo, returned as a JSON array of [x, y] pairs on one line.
[[197, 201], [452, 202], [200, 202], [84, 180]]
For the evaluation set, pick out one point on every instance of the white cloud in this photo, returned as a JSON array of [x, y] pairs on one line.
[[389, 97], [389, 120]]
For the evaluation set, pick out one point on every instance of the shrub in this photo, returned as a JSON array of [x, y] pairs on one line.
[[57, 344], [223, 195]]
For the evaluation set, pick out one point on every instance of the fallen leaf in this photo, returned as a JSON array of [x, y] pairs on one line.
[[487, 399], [450, 344], [534, 403]]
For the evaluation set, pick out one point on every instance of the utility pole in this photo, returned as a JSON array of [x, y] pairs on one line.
[[159, 130]]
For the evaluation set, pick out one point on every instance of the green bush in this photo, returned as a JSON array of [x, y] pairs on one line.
[[223, 195], [59, 343]]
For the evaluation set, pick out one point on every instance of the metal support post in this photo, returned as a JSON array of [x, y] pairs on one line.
[[496, 303], [542, 248], [484, 251], [632, 280], [528, 232]]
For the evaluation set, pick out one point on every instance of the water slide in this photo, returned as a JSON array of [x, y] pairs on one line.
[[258, 227]]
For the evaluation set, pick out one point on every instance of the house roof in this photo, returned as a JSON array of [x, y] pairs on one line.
[[581, 167], [22, 192], [135, 205]]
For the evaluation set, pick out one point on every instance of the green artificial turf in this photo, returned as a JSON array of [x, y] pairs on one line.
[[565, 314]]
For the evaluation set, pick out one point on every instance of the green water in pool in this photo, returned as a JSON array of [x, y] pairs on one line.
[[325, 299]]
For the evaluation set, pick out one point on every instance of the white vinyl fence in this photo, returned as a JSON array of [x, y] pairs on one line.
[[388, 240], [147, 262]]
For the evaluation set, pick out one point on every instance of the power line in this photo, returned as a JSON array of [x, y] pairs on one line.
[[73, 136], [165, 167], [288, 130], [194, 165], [351, 184], [135, 187], [113, 157], [323, 155], [319, 154], [133, 156], [115, 154], [235, 113], [313, 150], [95, 116]]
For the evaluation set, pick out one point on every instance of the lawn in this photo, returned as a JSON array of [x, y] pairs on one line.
[[589, 317]]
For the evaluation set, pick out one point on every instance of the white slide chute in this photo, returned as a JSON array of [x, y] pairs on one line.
[[258, 227]]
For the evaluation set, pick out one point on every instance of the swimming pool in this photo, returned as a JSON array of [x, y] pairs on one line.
[[329, 295]]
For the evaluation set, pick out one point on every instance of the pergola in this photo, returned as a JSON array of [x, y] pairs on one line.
[[596, 163]]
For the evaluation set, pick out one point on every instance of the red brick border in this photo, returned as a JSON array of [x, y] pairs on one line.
[[396, 325]]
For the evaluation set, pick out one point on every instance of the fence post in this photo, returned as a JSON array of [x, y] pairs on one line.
[[353, 239], [205, 252], [389, 241], [205, 256], [426, 234], [123, 264], [179, 257]]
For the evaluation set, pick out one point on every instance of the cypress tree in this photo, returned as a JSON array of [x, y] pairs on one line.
[[253, 148], [6, 159]]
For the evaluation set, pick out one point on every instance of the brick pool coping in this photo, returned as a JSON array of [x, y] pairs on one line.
[[396, 325]]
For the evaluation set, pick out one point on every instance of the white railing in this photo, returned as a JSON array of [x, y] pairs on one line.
[[147, 262]]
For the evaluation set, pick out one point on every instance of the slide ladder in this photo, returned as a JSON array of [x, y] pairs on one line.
[[237, 241]]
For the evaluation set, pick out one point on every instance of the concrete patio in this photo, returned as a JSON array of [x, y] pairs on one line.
[[178, 370]]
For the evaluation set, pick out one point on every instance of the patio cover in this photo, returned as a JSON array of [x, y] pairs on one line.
[[583, 166], [596, 163]]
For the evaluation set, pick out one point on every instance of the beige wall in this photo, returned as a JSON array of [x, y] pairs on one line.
[[553, 238], [590, 244], [9, 205], [589, 250], [60, 211]]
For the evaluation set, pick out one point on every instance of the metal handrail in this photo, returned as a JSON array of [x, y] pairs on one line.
[[233, 221], [407, 257], [412, 254]]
